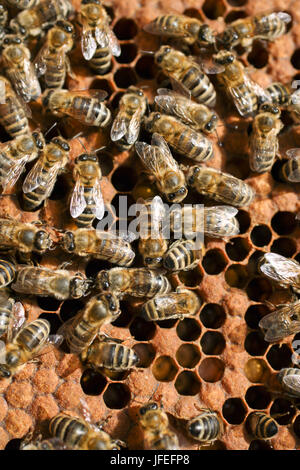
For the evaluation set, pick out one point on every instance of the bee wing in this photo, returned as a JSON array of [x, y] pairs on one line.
[[113, 42], [99, 209], [169, 104], [119, 127], [22, 80], [78, 202], [14, 172], [280, 269], [34, 179], [221, 215], [293, 153], [292, 381], [294, 175], [97, 94], [157, 212], [207, 64], [285, 17], [158, 141], [242, 101], [18, 320], [134, 127], [280, 324], [55, 340], [127, 236], [40, 60], [88, 43]]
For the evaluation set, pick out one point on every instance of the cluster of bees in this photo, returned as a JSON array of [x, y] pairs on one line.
[[182, 119]]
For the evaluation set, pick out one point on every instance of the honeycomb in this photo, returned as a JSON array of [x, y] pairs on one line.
[[218, 359]]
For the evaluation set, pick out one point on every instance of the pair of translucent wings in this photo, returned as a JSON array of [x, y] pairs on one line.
[[292, 381], [155, 211], [294, 174], [58, 56], [156, 157], [16, 168], [281, 323], [37, 177], [128, 128], [78, 201], [175, 104], [281, 269], [103, 36], [23, 81], [7, 90]]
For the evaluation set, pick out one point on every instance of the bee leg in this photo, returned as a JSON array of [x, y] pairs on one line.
[[24, 258], [64, 265], [70, 71]]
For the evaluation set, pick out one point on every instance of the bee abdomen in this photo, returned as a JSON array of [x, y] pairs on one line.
[[12, 117], [87, 217], [70, 430], [200, 86], [101, 60], [54, 76], [262, 426], [205, 427], [181, 256], [279, 93], [6, 309], [7, 273], [34, 334]]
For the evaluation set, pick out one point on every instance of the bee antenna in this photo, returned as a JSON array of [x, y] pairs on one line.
[[144, 86], [77, 135], [219, 142], [100, 148], [82, 144], [50, 129], [148, 52]]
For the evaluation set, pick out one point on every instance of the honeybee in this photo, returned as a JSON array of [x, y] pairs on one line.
[[262, 426], [13, 115], [283, 270], [137, 282], [244, 92], [15, 154], [220, 186], [24, 347], [12, 314], [33, 20], [47, 282], [159, 161], [110, 354], [290, 170], [98, 41], [52, 443], [197, 115], [263, 140], [126, 125], [87, 202], [52, 61], [289, 378], [19, 69], [283, 322], [180, 304], [3, 21], [266, 26], [78, 434], [155, 424], [206, 427], [180, 137], [218, 221], [40, 181], [24, 237], [280, 94], [187, 73], [152, 243], [191, 30], [183, 255], [98, 244], [7, 272], [79, 105], [22, 4]]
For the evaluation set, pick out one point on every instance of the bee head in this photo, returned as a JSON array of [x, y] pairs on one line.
[[177, 196], [65, 26], [151, 406], [205, 35], [62, 143], [39, 140], [68, 241], [106, 304], [211, 124], [86, 157], [162, 54], [269, 108], [224, 58], [192, 174], [151, 120], [46, 96], [61, 33], [78, 286], [103, 280], [229, 38], [4, 372], [42, 241]]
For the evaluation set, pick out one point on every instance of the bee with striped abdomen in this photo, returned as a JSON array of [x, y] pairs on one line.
[[244, 92], [78, 434], [98, 244], [220, 186], [81, 330], [24, 237], [152, 244], [40, 181], [87, 202], [187, 73], [190, 30], [52, 61], [183, 255], [283, 270], [266, 26], [42, 15], [180, 304], [206, 427], [15, 154], [98, 41], [261, 425], [7, 272], [155, 424], [283, 322], [197, 115], [290, 170], [158, 159], [13, 115], [126, 125], [289, 378], [12, 315], [137, 282], [180, 136], [263, 140], [27, 343], [280, 94], [47, 282], [16, 60], [83, 106], [109, 354], [218, 221]]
